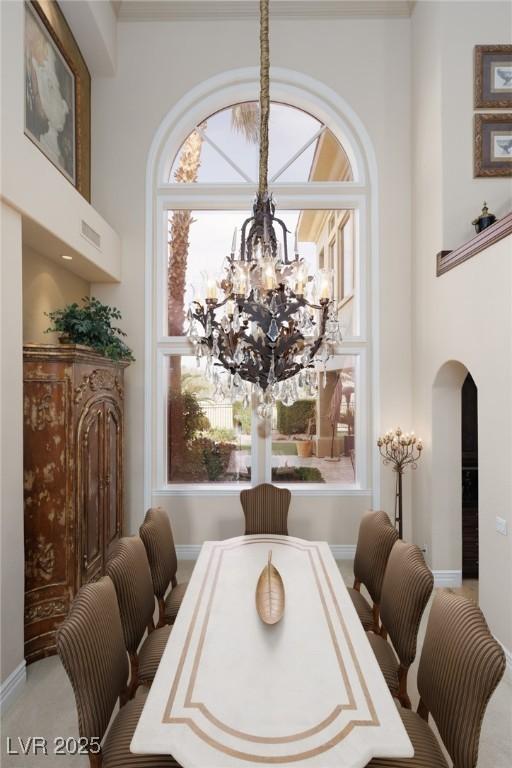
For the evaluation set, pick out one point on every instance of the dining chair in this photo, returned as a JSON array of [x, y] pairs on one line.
[[406, 589], [374, 543], [91, 647], [128, 568], [460, 666], [266, 509], [156, 533]]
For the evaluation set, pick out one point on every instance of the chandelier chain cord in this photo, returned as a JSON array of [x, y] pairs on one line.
[[264, 95]]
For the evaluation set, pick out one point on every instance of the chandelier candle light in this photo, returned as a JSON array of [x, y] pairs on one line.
[[265, 321], [401, 451]]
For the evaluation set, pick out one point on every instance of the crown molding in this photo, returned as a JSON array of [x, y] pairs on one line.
[[219, 10]]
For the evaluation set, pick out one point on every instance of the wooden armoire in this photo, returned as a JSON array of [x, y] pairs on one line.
[[73, 479]]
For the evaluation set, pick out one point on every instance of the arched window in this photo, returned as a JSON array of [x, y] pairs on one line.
[[203, 439]]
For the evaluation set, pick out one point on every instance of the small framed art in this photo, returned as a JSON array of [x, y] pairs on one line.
[[493, 76], [493, 144]]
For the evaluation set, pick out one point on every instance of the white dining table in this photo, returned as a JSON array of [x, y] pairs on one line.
[[233, 691]]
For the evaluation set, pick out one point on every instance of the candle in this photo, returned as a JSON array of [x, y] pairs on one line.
[[230, 307], [240, 280], [211, 288], [324, 289], [233, 244], [300, 277], [269, 275], [324, 284]]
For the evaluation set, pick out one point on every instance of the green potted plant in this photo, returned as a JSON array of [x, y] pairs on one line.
[[91, 325]]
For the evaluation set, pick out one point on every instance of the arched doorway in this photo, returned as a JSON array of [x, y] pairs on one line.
[[469, 441], [454, 474]]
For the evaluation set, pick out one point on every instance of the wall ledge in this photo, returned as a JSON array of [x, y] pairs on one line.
[[446, 260]]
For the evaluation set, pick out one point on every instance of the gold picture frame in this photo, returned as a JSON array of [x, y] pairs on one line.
[[493, 77], [493, 144], [57, 94]]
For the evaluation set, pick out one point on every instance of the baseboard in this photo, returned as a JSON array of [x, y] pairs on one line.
[[447, 579], [339, 551], [188, 551], [12, 685], [343, 551]]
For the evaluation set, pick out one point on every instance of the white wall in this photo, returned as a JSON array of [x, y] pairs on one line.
[[367, 63], [464, 315], [46, 286], [11, 446], [29, 181]]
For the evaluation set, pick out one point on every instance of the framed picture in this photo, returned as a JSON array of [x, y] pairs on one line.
[[57, 94], [493, 76], [493, 144]]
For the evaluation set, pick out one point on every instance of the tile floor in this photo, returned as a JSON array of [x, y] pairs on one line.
[[46, 707]]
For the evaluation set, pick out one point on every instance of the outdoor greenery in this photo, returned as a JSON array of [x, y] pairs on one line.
[[242, 415], [194, 418], [297, 474], [294, 419], [206, 452], [91, 325], [220, 434]]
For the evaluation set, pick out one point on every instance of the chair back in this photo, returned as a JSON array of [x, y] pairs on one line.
[[156, 533], [406, 588], [374, 543], [128, 568], [461, 664], [91, 647], [266, 509]]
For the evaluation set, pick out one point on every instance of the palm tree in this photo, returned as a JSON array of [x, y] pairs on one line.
[[244, 119]]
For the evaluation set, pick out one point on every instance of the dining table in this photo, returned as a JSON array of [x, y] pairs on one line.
[[232, 690]]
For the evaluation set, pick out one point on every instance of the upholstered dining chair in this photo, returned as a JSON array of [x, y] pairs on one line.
[[266, 509], [460, 666], [374, 543], [156, 533], [406, 589], [128, 568], [91, 647]]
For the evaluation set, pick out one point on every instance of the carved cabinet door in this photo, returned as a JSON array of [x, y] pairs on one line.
[[91, 459], [113, 475]]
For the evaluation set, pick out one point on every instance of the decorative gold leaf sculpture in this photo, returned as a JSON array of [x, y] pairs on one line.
[[270, 593]]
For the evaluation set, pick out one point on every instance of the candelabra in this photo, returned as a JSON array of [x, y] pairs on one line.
[[401, 451]]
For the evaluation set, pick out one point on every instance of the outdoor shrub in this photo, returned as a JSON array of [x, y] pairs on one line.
[[297, 474], [293, 419], [243, 416]]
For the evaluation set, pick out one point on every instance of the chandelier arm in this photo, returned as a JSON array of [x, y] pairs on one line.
[[264, 96]]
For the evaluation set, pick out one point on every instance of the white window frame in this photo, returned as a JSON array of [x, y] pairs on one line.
[[172, 197], [360, 195]]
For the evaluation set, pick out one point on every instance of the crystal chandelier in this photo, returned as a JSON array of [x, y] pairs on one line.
[[265, 321]]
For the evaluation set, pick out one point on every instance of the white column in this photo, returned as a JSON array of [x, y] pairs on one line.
[[11, 452]]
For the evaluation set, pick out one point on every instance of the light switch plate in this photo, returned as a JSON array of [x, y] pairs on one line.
[[501, 526]]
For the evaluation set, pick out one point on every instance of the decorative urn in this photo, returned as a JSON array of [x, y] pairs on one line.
[[484, 220]]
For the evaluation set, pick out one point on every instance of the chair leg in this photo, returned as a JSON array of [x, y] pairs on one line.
[[161, 613], [422, 710], [95, 760], [402, 687], [134, 675], [376, 617]]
